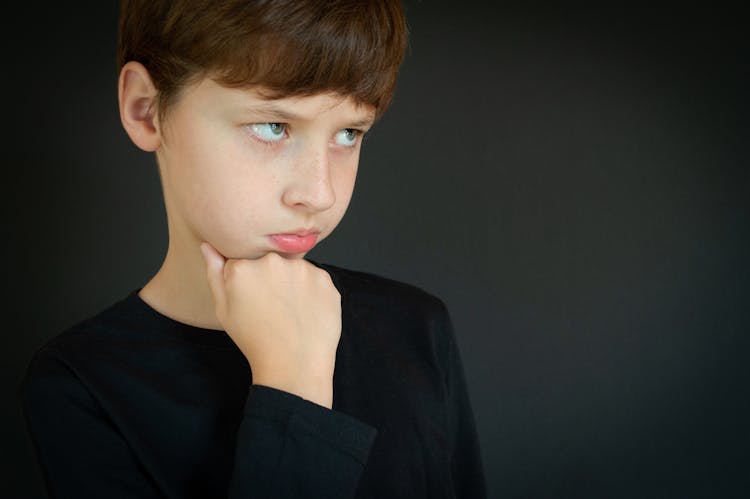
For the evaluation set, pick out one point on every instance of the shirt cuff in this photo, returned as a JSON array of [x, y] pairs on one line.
[[337, 429]]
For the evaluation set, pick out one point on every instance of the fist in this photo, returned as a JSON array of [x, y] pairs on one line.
[[285, 317]]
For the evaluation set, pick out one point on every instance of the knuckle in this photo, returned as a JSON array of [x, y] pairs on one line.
[[221, 313], [229, 269], [272, 256], [320, 274], [234, 268]]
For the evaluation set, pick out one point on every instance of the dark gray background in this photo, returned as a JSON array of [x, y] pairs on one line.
[[572, 182]]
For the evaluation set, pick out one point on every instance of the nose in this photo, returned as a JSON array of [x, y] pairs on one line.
[[311, 187]]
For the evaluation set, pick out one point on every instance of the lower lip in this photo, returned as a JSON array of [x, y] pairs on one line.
[[292, 243]]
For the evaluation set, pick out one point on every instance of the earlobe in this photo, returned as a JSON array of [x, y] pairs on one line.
[[137, 99]]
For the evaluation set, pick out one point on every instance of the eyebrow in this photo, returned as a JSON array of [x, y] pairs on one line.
[[276, 112]]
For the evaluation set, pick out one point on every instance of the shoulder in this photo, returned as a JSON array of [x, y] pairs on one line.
[[365, 291], [108, 324], [53, 371], [402, 322], [88, 341], [356, 282]]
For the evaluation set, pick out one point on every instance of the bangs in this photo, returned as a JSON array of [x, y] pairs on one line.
[[298, 48]]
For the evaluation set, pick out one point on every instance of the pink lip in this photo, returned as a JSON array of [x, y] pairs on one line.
[[297, 242]]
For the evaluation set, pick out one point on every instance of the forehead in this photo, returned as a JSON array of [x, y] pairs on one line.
[[209, 94]]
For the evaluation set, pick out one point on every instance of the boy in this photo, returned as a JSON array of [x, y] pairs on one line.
[[241, 369]]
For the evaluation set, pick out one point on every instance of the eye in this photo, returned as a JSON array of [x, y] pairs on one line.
[[347, 137], [269, 132]]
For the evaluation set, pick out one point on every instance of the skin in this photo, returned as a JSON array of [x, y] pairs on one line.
[[230, 181]]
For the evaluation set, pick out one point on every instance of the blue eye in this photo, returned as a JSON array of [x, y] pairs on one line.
[[347, 137], [269, 132]]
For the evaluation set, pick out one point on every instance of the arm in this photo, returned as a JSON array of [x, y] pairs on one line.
[[286, 446], [80, 452], [290, 447], [285, 317], [466, 460]]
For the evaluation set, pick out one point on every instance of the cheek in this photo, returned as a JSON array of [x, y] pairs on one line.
[[243, 198], [236, 218], [348, 177], [344, 187], [224, 188], [225, 172]]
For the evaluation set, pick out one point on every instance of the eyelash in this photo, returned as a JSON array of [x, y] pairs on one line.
[[275, 143]]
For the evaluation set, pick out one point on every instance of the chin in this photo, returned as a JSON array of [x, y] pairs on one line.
[[292, 256]]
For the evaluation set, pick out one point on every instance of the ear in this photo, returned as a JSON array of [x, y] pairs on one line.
[[137, 98]]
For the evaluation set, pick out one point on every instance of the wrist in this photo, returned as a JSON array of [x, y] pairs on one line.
[[318, 391]]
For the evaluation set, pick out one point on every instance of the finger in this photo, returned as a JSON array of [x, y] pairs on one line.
[[215, 274]]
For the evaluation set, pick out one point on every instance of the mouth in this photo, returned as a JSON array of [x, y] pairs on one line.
[[298, 241]]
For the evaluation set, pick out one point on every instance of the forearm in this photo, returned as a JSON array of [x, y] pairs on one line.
[[290, 447]]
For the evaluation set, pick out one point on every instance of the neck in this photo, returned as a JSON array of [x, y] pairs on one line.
[[179, 290]]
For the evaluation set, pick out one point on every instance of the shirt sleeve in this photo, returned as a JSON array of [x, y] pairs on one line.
[[80, 452], [467, 471], [290, 447], [286, 446]]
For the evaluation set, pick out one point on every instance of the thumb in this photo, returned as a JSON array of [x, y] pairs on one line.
[[215, 275]]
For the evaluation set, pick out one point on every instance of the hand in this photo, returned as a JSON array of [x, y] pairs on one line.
[[285, 317]]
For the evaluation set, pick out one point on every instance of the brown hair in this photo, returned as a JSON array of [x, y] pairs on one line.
[[286, 47]]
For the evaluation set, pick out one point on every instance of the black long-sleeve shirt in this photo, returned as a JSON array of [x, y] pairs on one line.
[[131, 403]]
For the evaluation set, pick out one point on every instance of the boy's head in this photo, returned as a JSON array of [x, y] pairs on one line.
[[255, 110], [287, 47]]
